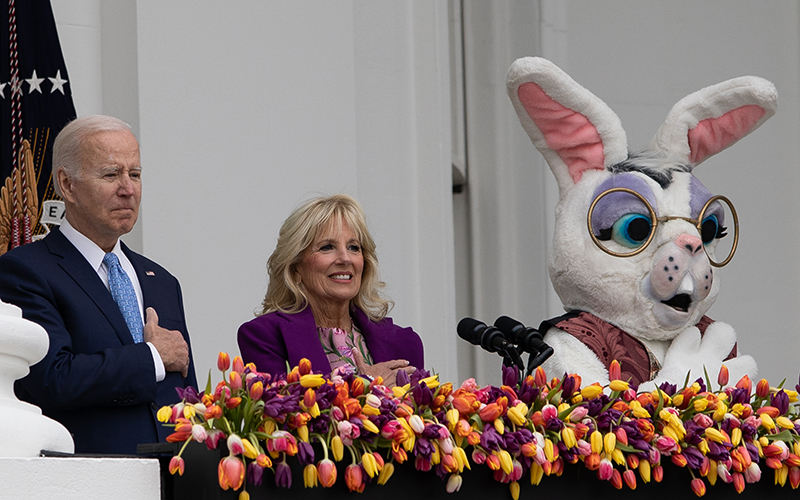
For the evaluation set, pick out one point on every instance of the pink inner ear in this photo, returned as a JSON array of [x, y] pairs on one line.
[[567, 132], [712, 135]]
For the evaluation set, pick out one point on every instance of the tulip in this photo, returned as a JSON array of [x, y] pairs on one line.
[[592, 391], [614, 371], [304, 367], [453, 483], [606, 470], [516, 415], [230, 473], [698, 487], [213, 436], [199, 433], [514, 488], [644, 471], [752, 474], [609, 442], [568, 437], [506, 462], [244, 495], [235, 445], [263, 461], [164, 414], [256, 390], [223, 361], [416, 424], [722, 377], [326, 471], [213, 411], [738, 480], [781, 475], [386, 473], [337, 447], [233, 402], [658, 473], [354, 478], [369, 464], [713, 434], [311, 380], [794, 477], [238, 365], [310, 476], [176, 464], [630, 479], [283, 475], [616, 479], [762, 388]]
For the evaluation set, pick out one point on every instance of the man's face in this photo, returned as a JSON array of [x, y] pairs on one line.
[[102, 202]]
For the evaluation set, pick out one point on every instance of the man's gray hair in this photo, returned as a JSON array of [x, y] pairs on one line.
[[68, 146]]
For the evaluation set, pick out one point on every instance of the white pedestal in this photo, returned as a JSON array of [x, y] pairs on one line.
[[80, 478]]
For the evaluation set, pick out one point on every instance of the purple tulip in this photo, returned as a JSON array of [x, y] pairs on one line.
[[283, 475]]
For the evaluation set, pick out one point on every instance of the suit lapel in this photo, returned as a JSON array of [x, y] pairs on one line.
[[76, 266]]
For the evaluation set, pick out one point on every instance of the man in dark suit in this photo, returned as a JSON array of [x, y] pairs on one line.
[[109, 367]]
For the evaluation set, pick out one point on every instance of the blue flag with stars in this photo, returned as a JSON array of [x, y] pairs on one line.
[[36, 104]]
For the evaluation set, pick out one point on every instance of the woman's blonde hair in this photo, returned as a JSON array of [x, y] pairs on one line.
[[298, 232]]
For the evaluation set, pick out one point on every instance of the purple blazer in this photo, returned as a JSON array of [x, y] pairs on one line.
[[271, 340]]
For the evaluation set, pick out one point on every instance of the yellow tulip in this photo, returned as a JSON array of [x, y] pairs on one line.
[[568, 436], [618, 386], [715, 435], [592, 391], [514, 487], [609, 443], [310, 476], [369, 463], [596, 440], [537, 472], [700, 405], [736, 436], [549, 453], [370, 426], [432, 382], [506, 462], [644, 470], [719, 413], [312, 380], [618, 456], [386, 473], [250, 451], [784, 423], [767, 422], [461, 458], [499, 426], [337, 447], [516, 415], [164, 414]]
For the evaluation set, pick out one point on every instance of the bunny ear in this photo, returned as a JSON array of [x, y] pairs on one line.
[[704, 123], [573, 129]]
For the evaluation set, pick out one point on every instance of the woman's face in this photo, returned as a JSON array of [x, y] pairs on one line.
[[331, 267]]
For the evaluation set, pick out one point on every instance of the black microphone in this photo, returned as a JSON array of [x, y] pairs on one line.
[[488, 337], [527, 338]]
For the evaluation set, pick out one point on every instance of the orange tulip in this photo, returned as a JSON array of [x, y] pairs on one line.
[[231, 473], [223, 361]]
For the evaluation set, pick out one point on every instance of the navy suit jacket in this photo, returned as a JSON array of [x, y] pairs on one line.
[[271, 340], [94, 379]]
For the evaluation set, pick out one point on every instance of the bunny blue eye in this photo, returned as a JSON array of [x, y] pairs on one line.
[[712, 229], [631, 230]]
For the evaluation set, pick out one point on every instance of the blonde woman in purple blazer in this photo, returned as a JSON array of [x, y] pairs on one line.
[[324, 303]]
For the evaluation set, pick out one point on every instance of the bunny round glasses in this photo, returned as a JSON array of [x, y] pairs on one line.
[[632, 232]]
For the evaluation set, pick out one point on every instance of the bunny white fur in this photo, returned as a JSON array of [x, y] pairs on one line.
[[585, 146]]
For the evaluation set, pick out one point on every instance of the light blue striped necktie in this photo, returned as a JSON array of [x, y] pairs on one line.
[[124, 295]]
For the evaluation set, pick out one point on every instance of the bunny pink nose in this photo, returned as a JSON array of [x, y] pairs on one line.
[[692, 244]]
